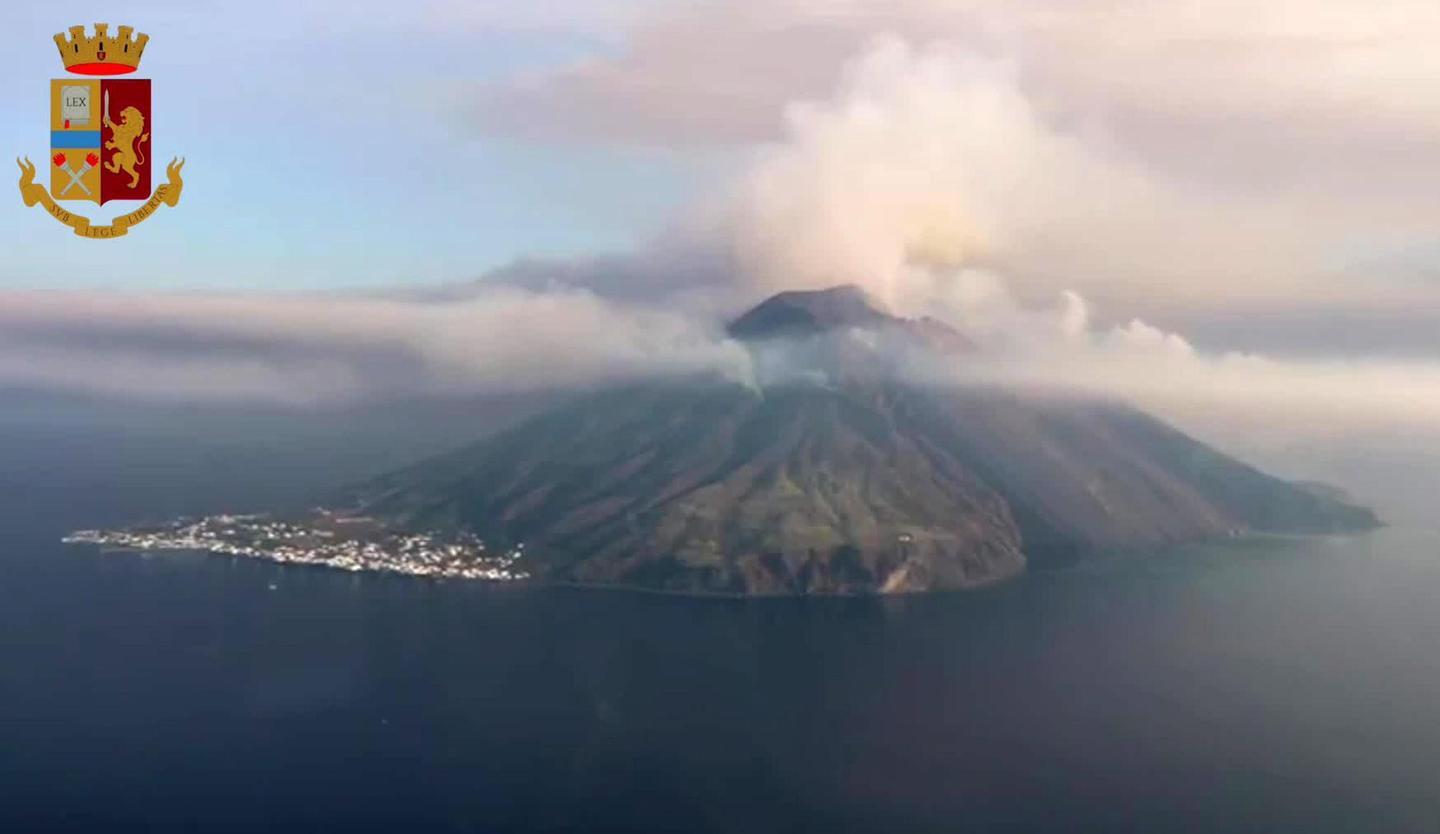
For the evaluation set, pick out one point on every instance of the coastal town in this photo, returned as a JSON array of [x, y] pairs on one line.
[[328, 539]]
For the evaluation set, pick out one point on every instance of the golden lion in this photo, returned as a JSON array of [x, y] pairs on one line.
[[127, 138]]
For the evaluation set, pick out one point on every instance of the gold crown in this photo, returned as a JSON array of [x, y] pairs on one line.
[[102, 54]]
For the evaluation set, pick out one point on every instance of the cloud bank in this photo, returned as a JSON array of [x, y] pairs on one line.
[[1013, 168], [326, 349], [1060, 346]]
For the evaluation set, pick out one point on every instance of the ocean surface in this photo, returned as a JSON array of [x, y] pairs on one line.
[[1270, 685]]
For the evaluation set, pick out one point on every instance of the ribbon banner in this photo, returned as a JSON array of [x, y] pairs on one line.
[[167, 194]]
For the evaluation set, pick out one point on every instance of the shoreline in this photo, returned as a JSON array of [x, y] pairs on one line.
[[299, 563], [529, 582]]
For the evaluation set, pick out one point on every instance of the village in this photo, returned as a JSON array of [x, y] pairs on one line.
[[325, 538]]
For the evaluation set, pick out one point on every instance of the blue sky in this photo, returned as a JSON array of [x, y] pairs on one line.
[[326, 147]]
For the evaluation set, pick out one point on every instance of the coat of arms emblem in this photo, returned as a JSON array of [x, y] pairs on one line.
[[101, 134]]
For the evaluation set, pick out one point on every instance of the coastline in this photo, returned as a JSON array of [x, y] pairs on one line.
[[524, 580]]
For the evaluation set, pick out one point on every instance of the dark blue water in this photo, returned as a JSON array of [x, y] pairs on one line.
[[1272, 686]]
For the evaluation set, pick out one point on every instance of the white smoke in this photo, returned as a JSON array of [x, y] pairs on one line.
[[936, 156], [932, 180]]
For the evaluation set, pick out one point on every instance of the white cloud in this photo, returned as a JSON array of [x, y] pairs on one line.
[[938, 156], [310, 349], [1156, 153], [1058, 346], [1027, 166]]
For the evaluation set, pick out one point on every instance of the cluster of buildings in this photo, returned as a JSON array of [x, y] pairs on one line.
[[330, 542]]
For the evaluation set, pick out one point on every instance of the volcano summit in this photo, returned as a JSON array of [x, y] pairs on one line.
[[836, 474]]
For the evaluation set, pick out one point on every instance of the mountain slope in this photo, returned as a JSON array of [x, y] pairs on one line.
[[720, 489], [1085, 475], [839, 479]]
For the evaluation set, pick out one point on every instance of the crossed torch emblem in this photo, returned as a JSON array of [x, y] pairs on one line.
[[77, 175]]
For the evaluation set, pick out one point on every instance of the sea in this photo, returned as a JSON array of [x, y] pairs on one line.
[[1280, 684]]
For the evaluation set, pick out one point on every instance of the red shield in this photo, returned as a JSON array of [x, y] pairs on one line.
[[126, 133]]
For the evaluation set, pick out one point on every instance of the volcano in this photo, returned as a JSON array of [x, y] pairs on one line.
[[833, 472]]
